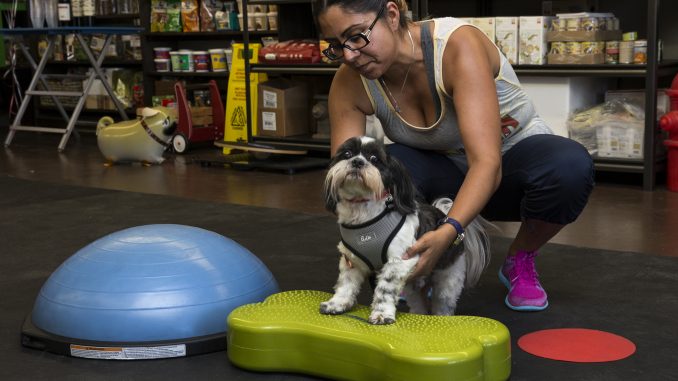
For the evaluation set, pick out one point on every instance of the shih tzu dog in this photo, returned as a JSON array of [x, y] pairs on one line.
[[379, 217]]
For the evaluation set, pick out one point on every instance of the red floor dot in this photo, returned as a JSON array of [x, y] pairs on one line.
[[577, 345]]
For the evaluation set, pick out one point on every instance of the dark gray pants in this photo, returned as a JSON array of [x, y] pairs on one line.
[[544, 177]]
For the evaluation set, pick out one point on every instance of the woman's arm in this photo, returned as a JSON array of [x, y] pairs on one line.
[[348, 104], [470, 62], [469, 77]]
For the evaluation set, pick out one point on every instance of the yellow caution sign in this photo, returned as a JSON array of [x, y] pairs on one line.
[[235, 128]]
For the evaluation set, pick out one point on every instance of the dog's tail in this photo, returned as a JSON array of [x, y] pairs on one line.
[[476, 243]]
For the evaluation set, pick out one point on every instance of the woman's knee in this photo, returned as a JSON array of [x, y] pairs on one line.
[[574, 168], [564, 188]]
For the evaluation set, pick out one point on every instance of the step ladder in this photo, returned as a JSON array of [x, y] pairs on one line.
[[39, 77]]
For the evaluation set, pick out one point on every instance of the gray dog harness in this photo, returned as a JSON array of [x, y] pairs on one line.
[[369, 241]]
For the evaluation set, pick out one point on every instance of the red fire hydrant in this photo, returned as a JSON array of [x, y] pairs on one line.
[[669, 123]]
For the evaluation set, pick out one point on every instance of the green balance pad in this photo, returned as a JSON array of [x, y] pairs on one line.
[[287, 333]]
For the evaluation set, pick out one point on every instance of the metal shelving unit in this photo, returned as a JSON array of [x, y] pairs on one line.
[[651, 72], [652, 162], [294, 142], [180, 40]]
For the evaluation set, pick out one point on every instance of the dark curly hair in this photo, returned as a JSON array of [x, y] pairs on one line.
[[361, 6]]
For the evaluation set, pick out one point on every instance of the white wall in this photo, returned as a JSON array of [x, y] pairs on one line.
[[555, 97]]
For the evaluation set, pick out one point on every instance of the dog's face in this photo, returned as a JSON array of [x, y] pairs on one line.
[[362, 170], [160, 121]]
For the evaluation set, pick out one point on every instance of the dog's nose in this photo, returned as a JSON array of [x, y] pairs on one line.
[[357, 163]]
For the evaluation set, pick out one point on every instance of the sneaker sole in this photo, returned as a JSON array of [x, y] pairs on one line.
[[504, 280], [507, 283]]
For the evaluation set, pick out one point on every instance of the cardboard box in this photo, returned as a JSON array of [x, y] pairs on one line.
[[506, 37], [581, 36], [486, 24], [620, 140], [283, 108], [579, 59], [533, 45]]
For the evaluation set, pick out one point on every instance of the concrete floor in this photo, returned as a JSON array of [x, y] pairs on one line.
[[618, 216]]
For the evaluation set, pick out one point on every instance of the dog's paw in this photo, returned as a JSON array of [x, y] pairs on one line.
[[332, 308], [380, 318]]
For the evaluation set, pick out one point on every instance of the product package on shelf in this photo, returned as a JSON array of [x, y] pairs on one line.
[[506, 37], [533, 45], [190, 16], [613, 129], [291, 52], [208, 10], [486, 25], [226, 18]]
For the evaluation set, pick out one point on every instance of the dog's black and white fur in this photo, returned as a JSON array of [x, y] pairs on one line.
[[362, 182]]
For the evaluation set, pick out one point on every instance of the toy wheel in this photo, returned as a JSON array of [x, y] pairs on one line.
[[179, 143]]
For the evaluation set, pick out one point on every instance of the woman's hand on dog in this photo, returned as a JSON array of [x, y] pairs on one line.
[[430, 247]]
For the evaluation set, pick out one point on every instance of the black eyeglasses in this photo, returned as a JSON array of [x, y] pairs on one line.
[[356, 42]]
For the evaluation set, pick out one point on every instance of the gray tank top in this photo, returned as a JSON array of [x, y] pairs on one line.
[[519, 118]]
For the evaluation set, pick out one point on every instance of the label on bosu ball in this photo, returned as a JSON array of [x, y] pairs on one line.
[[128, 353]]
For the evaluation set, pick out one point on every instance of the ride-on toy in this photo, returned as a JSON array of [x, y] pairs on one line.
[[194, 129]]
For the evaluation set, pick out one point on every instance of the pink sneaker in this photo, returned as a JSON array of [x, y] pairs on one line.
[[520, 276]]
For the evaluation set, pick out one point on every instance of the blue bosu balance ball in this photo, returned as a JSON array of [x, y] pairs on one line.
[[147, 286]]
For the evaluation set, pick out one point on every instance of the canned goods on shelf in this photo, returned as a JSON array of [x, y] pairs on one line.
[[630, 36], [573, 24], [589, 47], [612, 52], [590, 24], [559, 25], [640, 52], [626, 52], [558, 47], [573, 48]]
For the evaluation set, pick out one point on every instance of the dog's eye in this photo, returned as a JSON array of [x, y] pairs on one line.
[[374, 159], [347, 154]]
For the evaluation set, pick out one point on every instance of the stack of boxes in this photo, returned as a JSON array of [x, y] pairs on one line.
[[570, 38], [580, 38]]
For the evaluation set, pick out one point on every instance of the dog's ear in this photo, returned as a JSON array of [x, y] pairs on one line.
[[329, 193], [401, 187], [330, 199]]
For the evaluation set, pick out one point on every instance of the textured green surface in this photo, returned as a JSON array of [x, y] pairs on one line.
[[287, 333]]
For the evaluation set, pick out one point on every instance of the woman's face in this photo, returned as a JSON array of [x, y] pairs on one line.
[[337, 25]]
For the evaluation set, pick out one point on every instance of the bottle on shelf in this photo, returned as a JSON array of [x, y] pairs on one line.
[[88, 8], [51, 16], [106, 7], [76, 12], [124, 7], [64, 11]]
